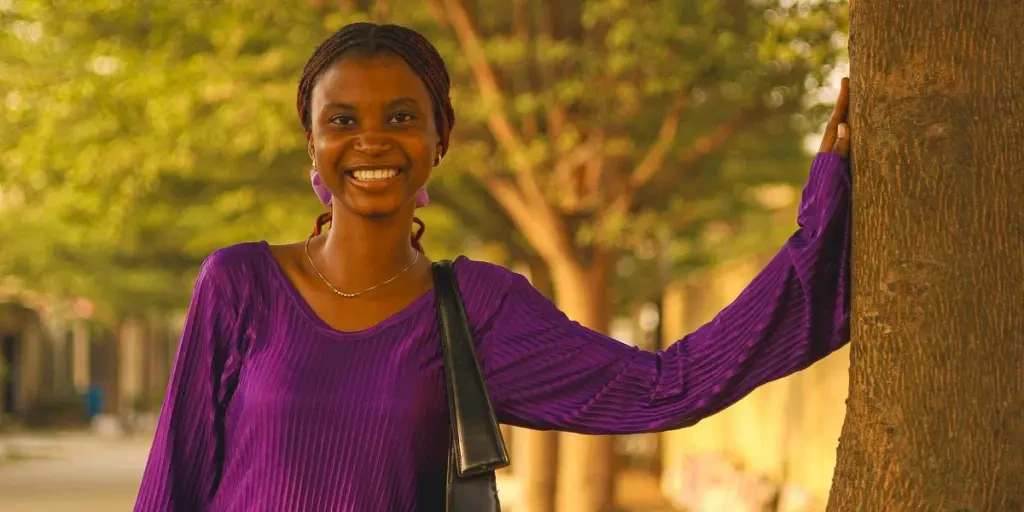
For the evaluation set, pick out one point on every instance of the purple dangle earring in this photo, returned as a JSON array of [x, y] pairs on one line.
[[422, 199], [318, 186]]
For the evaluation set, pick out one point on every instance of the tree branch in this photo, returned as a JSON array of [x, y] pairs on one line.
[[543, 228], [484, 76], [688, 157], [557, 117], [565, 173], [654, 160], [719, 136], [526, 203], [498, 122], [502, 229], [526, 82]]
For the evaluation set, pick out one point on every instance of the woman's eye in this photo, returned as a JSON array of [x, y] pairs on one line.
[[342, 120], [401, 117]]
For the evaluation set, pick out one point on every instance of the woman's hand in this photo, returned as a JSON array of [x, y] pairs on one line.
[[837, 132]]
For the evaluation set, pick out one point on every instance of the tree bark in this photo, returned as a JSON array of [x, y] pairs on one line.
[[934, 418], [586, 471]]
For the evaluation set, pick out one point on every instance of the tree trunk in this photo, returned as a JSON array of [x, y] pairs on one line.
[[534, 452], [158, 360], [130, 363], [80, 363], [934, 420], [586, 471], [534, 463]]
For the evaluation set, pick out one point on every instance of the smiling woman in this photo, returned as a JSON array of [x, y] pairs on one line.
[[372, 137], [310, 375]]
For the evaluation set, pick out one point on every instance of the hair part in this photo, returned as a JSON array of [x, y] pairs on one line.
[[371, 39]]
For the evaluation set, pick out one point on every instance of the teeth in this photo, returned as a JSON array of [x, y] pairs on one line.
[[375, 174]]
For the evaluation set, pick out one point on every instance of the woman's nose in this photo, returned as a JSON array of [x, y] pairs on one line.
[[372, 143]]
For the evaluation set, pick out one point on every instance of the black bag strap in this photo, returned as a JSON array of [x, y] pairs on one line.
[[476, 438]]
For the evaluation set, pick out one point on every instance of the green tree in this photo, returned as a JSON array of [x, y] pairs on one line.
[[118, 157]]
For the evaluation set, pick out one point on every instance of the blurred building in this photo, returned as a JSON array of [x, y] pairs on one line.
[[41, 362], [60, 371], [20, 361]]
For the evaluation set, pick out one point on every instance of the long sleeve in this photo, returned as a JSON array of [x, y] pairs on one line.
[[184, 464], [544, 371]]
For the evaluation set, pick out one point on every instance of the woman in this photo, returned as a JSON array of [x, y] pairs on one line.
[[309, 376]]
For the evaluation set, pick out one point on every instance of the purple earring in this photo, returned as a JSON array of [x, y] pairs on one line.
[[422, 199], [318, 186]]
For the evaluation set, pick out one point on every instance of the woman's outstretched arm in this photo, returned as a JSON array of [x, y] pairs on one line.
[[546, 372]]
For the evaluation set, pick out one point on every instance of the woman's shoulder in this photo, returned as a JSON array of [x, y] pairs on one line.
[[236, 268], [470, 269], [226, 262], [485, 286]]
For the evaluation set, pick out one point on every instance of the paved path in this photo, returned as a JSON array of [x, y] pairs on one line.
[[70, 473], [83, 473]]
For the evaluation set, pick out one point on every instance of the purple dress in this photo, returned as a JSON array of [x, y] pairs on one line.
[[269, 409]]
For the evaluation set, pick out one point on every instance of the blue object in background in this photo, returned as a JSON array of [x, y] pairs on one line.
[[93, 401]]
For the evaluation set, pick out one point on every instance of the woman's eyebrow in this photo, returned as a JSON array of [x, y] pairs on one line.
[[404, 101], [338, 105]]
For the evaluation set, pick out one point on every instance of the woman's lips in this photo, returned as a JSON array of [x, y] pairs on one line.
[[374, 178]]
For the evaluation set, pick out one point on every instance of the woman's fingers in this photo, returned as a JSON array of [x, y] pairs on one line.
[[843, 103], [841, 146], [831, 136]]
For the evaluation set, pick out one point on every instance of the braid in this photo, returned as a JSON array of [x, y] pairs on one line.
[[371, 39], [325, 217]]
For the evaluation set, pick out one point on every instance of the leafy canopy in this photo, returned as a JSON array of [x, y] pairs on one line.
[[137, 137]]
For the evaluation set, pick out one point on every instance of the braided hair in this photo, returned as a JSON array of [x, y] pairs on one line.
[[372, 39]]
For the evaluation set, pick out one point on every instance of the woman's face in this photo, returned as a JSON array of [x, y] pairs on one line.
[[372, 134]]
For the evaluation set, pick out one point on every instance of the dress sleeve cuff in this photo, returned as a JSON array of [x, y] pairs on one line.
[[828, 167]]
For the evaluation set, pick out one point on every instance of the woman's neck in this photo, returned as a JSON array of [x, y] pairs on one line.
[[361, 252]]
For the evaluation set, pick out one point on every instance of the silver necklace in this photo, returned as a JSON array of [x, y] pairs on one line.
[[353, 295]]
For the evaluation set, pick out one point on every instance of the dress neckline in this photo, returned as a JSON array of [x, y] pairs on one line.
[[296, 299]]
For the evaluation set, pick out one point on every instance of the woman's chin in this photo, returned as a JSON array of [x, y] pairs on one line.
[[378, 207]]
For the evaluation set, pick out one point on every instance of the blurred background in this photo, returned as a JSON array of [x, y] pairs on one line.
[[668, 138]]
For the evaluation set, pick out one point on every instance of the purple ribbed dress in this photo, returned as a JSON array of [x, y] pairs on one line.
[[269, 409]]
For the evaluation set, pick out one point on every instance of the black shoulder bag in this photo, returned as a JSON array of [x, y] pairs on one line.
[[477, 448]]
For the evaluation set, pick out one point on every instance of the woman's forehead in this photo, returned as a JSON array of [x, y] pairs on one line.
[[370, 81]]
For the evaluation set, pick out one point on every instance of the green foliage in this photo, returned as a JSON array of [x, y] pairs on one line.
[[137, 137], [615, 69]]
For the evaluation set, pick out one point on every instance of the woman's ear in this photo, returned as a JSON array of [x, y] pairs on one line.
[[309, 148]]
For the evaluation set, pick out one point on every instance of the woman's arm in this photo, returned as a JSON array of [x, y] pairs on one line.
[[185, 461], [546, 372]]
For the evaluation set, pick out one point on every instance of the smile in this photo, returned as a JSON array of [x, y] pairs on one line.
[[374, 178], [380, 174]]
